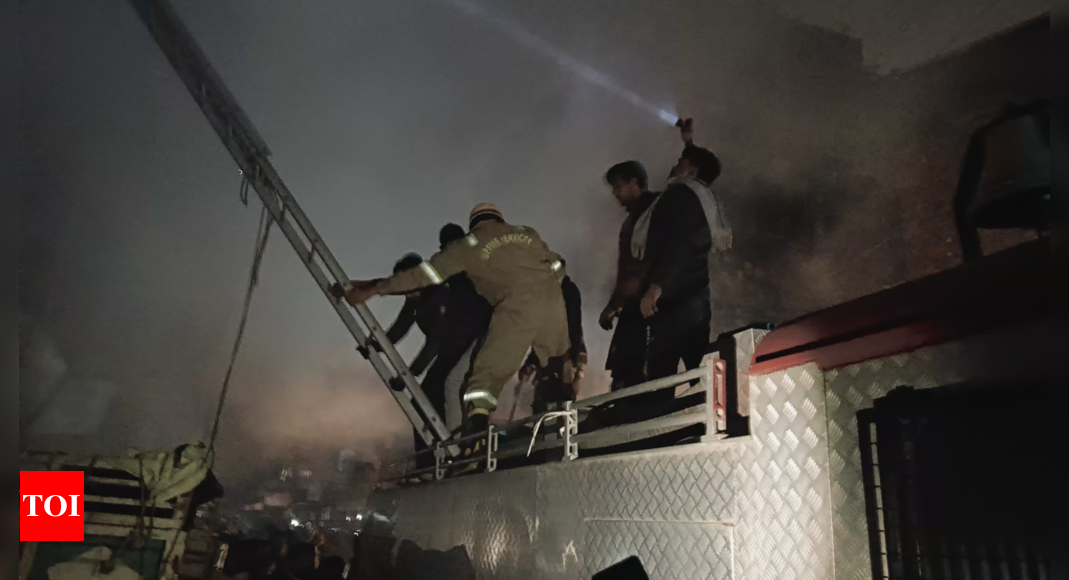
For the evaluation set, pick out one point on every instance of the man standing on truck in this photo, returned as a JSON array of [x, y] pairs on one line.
[[627, 351], [516, 272], [670, 243]]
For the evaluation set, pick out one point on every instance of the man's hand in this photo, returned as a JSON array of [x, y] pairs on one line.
[[607, 315], [361, 291], [686, 129], [649, 300]]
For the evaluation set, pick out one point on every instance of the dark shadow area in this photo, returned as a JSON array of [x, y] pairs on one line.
[[378, 558], [629, 569], [957, 482]]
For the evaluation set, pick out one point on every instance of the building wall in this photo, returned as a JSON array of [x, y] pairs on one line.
[[902, 35], [838, 182]]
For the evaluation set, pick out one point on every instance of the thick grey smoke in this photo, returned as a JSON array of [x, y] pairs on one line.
[[387, 120]]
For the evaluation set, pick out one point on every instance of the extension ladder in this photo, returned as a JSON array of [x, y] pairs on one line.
[[251, 154]]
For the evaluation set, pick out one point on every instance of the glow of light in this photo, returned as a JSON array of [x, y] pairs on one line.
[[538, 44], [295, 523], [359, 517], [670, 118]]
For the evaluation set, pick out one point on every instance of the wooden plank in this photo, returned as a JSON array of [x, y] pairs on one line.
[[121, 501], [112, 481], [165, 535], [127, 501], [130, 521], [106, 530]]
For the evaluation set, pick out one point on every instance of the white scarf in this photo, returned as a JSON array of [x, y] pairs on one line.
[[714, 216]]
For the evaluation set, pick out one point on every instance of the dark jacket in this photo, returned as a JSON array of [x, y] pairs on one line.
[[450, 315], [630, 272], [627, 350], [573, 305], [677, 251]]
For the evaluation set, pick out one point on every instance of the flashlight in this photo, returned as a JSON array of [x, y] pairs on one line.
[[668, 117], [686, 129]]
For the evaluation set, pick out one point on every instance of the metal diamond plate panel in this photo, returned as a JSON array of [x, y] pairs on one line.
[[564, 520], [694, 484], [784, 503], [853, 388], [668, 550], [754, 507], [493, 515], [784, 529], [745, 344]]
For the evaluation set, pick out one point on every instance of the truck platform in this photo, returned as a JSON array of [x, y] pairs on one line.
[[802, 494]]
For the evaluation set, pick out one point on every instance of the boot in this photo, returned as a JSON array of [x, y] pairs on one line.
[[554, 384], [476, 424]]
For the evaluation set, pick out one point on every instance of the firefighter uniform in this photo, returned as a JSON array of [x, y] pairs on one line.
[[520, 277]]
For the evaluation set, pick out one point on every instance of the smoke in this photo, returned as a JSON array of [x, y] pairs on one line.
[[582, 70], [389, 119], [339, 406]]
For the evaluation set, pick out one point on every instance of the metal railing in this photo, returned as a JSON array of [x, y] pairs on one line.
[[558, 428]]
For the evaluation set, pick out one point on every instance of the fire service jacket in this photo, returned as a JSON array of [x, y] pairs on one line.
[[501, 260]]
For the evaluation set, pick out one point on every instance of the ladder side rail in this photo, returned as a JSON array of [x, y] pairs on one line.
[[381, 345], [174, 39], [374, 329], [248, 150], [403, 398]]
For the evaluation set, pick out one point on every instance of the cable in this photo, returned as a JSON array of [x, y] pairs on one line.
[[262, 233], [550, 415], [243, 190]]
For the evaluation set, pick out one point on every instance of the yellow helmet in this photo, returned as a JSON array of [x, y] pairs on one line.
[[484, 209]]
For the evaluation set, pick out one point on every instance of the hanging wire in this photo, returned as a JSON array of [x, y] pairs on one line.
[[550, 415], [243, 189], [262, 233], [138, 536]]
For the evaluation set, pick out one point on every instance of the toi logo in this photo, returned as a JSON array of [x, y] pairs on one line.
[[53, 506]]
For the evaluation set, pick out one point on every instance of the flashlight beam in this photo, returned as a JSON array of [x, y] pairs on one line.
[[576, 67]]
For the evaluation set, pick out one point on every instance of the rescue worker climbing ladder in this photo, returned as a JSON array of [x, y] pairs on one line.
[[520, 277]]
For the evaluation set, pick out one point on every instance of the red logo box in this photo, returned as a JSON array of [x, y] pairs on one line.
[[53, 506]]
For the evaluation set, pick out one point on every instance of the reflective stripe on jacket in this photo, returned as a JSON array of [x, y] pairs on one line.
[[500, 259]]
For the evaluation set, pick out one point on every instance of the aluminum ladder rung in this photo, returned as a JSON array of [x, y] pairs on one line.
[[250, 152]]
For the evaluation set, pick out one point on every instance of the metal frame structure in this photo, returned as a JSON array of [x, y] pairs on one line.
[[161, 521], [785, 500], [564, 434], [250, 152], [930, 465], [683, 509]]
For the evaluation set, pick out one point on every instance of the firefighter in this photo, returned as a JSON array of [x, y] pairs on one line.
[[516, 272]]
